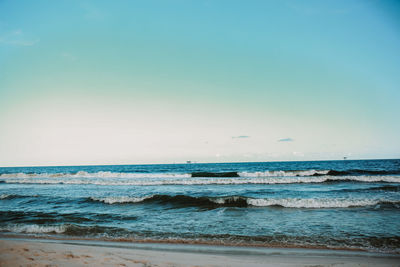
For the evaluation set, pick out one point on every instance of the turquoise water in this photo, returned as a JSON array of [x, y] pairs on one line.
[[341, 204]]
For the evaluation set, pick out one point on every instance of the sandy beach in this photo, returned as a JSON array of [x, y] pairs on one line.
[[39, 252], [200, 133]]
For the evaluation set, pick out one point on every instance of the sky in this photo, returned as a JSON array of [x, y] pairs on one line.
[[134, 82]]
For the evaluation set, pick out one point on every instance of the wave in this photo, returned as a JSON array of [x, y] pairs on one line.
[[321, 203], [204, 174], [214, 174], [33, 229], [392, 188], [65, 229], [209, 202], [284, 173], [113, 200], [210, 181], [13, 196], [387, 244], [362, 172], [43, 218], [353, 172], [100, 174], [7, 196], [241, 201], [181, 200]]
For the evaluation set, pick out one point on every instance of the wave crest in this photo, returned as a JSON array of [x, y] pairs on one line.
[[284, 173], [201, 174], [33, 229], [100, 174], [113, 200], [241, 201], [211, 181]]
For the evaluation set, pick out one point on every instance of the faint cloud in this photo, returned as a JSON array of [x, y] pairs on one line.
[[298, 154], [286, 140], [18, 38], [240, 136]]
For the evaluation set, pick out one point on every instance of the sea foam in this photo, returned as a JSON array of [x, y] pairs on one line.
[[125, 199], [33, 229], [204, 181], [100, 174]]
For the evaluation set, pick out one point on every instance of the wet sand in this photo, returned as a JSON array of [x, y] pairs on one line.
[[40, 252]]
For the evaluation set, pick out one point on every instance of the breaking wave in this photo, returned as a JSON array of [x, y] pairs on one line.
[[284, 173], [321, 203], [113, 200], [65, 229], [267, 173], [355, 172], [387, 244], [33, 229], [241, 201], [100, 174], [208, 181]]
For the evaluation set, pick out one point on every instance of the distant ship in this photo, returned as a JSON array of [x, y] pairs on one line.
[[188, 161], [344, 158]]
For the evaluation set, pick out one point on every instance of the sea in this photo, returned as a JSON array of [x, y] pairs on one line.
[[346, 204]]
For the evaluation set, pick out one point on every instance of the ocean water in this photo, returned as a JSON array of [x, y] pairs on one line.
[[334, 204]]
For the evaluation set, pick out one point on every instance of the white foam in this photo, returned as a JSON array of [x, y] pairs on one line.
[[204, 181], [223, 200], [313, 203], [108, 174], [283, 173], [33, 229], [100, 174], [112, 200]]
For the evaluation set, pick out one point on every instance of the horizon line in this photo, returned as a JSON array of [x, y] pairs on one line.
[[186, 163]]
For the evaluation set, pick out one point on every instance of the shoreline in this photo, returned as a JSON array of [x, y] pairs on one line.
[[187, 242], [74, 252]]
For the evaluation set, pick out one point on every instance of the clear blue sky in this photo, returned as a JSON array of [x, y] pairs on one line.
[[114, 82]]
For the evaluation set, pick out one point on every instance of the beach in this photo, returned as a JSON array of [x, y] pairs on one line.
[[42, 252], [199, 133]]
